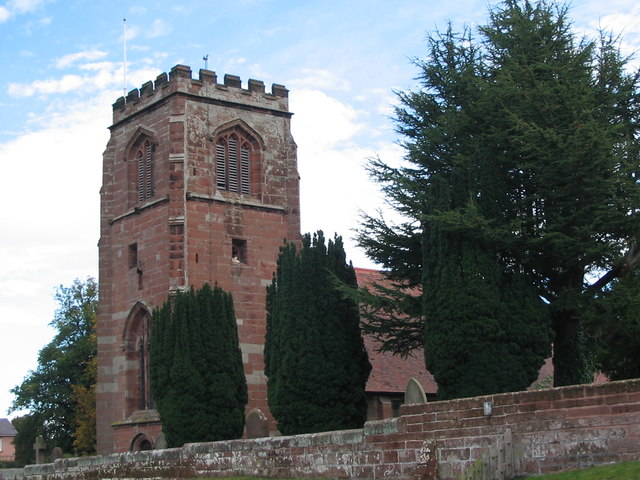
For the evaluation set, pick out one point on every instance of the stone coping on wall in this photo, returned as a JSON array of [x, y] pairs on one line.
[[553, 429]]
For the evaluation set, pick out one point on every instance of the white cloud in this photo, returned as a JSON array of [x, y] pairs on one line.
[[25, 6], [104, 76], [158, 28], [61, 85], [38, 23], [333, 178], [273, 31], [321, 121], [229, 63], [628, 26], [624, 23], [15, 7], [321, 80], [50, 226], [67, 60], [380, 100], [132, 31], [97, 66]]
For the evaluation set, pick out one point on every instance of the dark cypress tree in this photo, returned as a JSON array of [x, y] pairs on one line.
[[197, 375], [314, 353], [616, 323]]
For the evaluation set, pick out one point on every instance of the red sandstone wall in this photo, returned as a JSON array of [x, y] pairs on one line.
[[553, 430], [184, 233], [8, 450]]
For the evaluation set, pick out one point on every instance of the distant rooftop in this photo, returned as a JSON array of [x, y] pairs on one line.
[[391, 373], [6, 428]]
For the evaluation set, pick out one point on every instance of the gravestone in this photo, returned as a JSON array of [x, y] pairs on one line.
[[414, 393], [56, 453], [39, 446], [257, 424], [161, 441]]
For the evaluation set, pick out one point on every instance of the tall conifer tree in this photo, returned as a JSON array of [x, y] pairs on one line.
[[197, 375], [521, 184], [315, 358]]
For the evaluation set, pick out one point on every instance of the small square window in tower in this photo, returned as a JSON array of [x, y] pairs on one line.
[[133, 255], [239, 251]]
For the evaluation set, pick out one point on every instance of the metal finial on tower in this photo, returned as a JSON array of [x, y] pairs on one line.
[[206, 61]]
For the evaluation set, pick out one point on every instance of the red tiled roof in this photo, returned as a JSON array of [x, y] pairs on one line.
[[391, 373]]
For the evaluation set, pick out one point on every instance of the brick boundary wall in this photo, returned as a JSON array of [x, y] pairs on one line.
[[555, 429]]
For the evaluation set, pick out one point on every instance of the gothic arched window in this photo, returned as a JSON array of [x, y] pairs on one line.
[[233, 169], [141, 170], [136, 348]]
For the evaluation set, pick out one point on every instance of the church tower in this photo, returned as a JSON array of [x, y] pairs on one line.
[[200, 185]]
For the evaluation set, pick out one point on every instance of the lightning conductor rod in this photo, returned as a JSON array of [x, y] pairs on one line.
[[124, 39]]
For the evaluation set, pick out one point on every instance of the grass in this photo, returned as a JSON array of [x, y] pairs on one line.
[[619, 471]]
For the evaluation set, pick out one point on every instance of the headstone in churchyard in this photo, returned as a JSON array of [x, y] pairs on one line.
[[39, 447], [161, 441], [257, 424], [56, 453], [414, 393]]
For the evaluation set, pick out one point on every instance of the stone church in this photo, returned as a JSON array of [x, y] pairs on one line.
[[200, 184]]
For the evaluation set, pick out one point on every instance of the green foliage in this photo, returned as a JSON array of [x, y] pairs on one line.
[[314, 353], [617, 328], [84, 442], [28, 428], [618, 471], [485, 332], [48, 391], [197, 375], [520, 183]]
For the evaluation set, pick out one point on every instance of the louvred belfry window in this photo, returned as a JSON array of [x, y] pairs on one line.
[[144, 160], [232, 164]]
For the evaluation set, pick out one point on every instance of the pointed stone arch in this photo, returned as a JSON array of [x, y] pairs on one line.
[[238, 153], [240, 125], [135, 345], [142, 442], [133, 325], [140, 155]]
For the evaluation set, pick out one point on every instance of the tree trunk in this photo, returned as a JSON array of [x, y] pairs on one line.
[[572, 350]]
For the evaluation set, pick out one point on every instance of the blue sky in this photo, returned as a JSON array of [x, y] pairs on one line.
[[63, 68]]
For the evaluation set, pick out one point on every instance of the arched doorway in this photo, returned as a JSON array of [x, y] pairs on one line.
[[141, 442]]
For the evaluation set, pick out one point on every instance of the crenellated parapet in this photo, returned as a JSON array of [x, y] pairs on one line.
[[179, 81]]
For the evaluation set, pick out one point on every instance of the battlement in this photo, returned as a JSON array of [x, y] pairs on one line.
[[179, 80]]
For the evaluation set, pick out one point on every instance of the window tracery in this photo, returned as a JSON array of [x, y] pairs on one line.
[[233, 169]]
